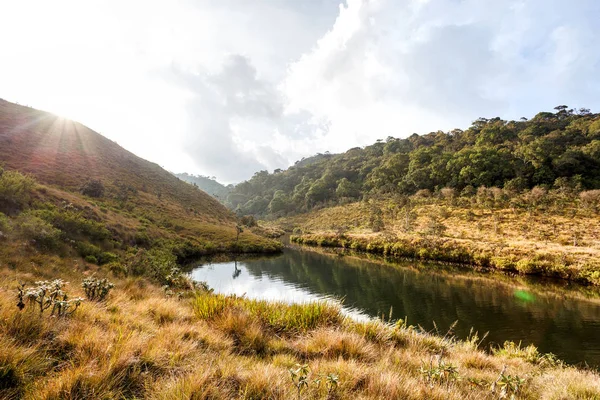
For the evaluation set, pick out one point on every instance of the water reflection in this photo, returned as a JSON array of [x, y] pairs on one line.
[[565, 326]]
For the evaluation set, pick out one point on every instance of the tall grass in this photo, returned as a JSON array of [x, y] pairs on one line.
[[279, 316], [139, 344]]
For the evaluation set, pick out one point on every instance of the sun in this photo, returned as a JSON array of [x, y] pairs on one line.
[[64, 107]]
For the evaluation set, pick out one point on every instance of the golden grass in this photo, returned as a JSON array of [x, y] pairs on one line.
[[141, 344], [562, 242]]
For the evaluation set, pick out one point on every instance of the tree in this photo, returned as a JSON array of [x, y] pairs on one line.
[[278, 203], [346, 189], [93, 188]]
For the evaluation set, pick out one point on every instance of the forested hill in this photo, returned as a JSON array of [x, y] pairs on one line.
[[560, 148], [207, 184]]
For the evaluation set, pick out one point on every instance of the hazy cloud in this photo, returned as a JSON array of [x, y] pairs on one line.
[[230, 87]]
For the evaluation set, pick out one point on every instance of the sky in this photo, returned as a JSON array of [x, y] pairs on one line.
[[227, 88]]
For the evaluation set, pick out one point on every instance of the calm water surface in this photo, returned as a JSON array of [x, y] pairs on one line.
[[528, 312]]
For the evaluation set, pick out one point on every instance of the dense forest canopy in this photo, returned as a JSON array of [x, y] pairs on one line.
[[553, 149]]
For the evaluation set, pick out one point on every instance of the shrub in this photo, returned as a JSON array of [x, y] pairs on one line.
[[107, 258], [15, 190], [73, 223], [91, 259], [37, 230], [86, 250], [96, 289], [93, 188], [142, 238], [248, 220], [155, 263], [3, 222]]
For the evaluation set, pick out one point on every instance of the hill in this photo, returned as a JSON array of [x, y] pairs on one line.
[[67, 154], [100, 201], [553, 149], [207, 184]]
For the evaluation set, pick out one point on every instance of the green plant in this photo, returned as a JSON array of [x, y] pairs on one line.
[[441, 373], [40, 232], [508, 384], [332, 381], [48, 294], [91, 259], [15, 190], [96, 289], [93, 188], [299, 377]]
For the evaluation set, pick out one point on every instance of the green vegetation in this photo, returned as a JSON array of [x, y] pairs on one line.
[[552, 150], [207, 184], [97, 289]]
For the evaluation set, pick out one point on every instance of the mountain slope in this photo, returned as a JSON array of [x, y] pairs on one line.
[[66, 154], [135, 204]]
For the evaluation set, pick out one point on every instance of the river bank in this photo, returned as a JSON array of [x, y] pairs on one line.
[[447, 250]]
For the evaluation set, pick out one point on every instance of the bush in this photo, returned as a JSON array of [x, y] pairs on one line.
[[38, 231], [74, 224], [590, 199], [91, 259], [86, 250], [3, 223], [248, 220], [15, 190], [93, 188], [156, 263], [107, 257]]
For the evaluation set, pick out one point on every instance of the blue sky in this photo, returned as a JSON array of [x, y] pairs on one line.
[[227, 88]]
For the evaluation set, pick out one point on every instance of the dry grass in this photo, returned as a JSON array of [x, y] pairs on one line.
[[562, 242], [140, 344]]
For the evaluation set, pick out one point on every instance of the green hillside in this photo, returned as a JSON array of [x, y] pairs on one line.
[[557, 149]]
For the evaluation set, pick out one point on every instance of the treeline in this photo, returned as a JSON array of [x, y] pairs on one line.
[[558, 149], [207, 184]]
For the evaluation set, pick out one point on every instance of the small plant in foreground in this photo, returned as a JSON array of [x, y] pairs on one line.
[[48, 294], [96, 289], [332, 381], [440, 373], [299, 377], [509, 385]]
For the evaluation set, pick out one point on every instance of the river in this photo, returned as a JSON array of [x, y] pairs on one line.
[[555, 317]]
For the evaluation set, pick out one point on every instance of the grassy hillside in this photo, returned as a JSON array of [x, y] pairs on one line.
[[100, 199], [67, 154], [552, 150], [551, 233]]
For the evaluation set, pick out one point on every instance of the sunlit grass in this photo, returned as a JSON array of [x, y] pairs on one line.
[[139, 344]]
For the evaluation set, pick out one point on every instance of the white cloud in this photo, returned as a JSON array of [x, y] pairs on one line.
[[261, 84], [394, 67]]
